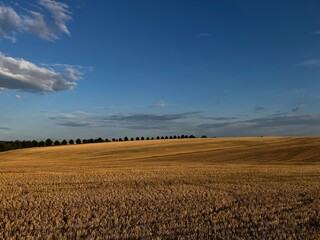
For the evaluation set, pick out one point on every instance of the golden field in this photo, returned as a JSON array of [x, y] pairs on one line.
[[228, 188]]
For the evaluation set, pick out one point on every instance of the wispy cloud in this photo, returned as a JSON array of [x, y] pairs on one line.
[[160, 104], [18, 97], [6, 128], [141, 120], [203, 35], [258, 108], [19, 74], [10, 22], [36, 20], [269, 122], [60, 12], [219, 118], [310, 63]]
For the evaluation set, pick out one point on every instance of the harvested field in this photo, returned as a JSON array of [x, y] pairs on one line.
[[232, 188]]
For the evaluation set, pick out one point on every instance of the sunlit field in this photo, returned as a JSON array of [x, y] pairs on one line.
[[233, 188]]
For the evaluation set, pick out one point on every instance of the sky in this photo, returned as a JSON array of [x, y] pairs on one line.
[[88, 69]]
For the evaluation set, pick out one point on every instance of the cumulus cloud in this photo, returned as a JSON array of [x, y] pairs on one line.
[[19, 74], [47, 20]]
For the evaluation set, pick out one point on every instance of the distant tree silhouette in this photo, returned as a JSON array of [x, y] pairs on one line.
[[170, 137], [204, 136], [120, 140], [132, 139], [137, 138], [107, 140], [78, 141], [162, 137], [71, 142], [113, 139], [84, 141], [158, 137], [174, 137], [166, 137], [147, 138], [56, 143], [99, 140], [64, 142], [41, 144], [126, 138], [152, 138], [35, 143], [49, 142], [142, 138]]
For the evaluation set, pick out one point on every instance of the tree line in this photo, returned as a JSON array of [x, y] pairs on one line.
[[17, 144]]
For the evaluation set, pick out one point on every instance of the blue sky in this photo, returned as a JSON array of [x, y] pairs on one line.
[[86, 69]]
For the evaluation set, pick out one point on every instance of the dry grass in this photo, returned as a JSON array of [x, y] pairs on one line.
[[246, 188]]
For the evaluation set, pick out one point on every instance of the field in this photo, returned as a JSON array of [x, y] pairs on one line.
[[228, 188]]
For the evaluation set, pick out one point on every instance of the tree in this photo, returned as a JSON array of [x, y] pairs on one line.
[[132, 139], [113, 139], [35, 143], [64, 142], [56, 143], [158, 137], [78, 141], [142, 138], [99, 140], [137, 138], [162, 137], [166, 137], [49, 142], [148, 138], [84, 141], [170, 137], [126, 138], [120, 140], [71, 142], [204, 136], [41, 144]]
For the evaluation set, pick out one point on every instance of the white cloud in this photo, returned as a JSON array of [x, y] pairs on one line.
[[20, 74], [10, 23], [18, 97], [60, 13], [310, 63], [37, 25], [36, 21]]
